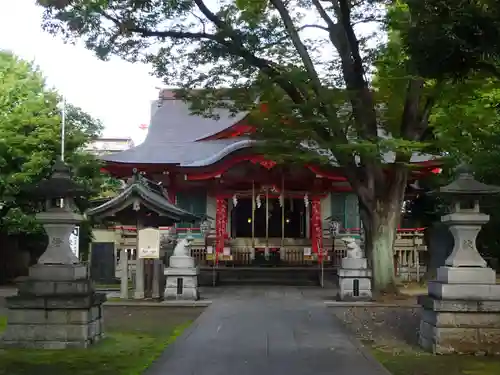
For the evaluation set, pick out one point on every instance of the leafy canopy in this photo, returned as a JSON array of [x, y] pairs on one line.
[[453, 38], [30, 127]]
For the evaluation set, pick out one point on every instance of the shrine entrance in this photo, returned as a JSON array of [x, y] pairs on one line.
[[269, 221]]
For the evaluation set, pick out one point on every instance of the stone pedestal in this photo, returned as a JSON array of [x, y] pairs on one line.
[[182, 279], [461, 312], [354, 279], [55, 308]]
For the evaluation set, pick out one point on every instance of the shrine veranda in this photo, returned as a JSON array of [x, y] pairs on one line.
[[258, 213]]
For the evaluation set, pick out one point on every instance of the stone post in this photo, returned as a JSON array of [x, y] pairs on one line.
[[139, 279], [124, 274], [462, 309], [155, 293]]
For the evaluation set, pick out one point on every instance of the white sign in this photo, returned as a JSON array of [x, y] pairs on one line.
[[149, 243], [74, 241], [227, 251], [307, 251], [210, 250]]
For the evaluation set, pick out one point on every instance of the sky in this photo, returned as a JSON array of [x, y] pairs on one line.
[[116, 92]]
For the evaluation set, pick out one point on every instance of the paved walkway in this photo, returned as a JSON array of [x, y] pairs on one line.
[[266, 331]]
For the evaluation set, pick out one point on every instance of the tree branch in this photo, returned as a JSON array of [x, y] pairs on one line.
[[324, 15], [345, 20], [299, 46], [410, 118], [123, 26]]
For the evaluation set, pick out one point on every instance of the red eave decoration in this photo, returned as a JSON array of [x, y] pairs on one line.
[[437, 170], [325, 174]]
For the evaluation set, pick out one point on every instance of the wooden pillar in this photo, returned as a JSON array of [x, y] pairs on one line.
[[171, 190], [308, 221]]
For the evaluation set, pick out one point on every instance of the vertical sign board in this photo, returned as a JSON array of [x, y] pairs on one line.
[[74, 241], [149, 243]]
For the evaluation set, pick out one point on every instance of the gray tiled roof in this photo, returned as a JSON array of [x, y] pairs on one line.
[[148, 197], [175, 135], [173, 122], [186, 154]]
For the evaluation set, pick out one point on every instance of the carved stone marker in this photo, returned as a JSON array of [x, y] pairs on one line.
[[462, 308], [354, 275], [182, 275], [56, 306]]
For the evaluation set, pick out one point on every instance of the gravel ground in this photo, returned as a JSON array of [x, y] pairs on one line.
[[391, 327]]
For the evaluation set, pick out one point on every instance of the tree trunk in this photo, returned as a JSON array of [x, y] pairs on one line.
[[384, 227], [380, 225]]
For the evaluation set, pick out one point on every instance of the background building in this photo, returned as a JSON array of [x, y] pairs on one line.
[[102, 146]]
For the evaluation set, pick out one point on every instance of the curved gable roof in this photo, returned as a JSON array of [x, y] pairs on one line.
[[173, 122], [184, 154], [153, 200]]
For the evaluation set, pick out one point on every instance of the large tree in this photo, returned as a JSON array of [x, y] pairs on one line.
[[30, 128], [310, 61]]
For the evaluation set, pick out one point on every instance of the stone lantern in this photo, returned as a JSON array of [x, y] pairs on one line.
[[462, 308], [56, 306], [59, 215]]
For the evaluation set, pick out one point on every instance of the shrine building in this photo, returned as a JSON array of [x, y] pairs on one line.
[[258, 212]]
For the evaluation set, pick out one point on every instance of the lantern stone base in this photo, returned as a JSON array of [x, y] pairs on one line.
[[461, 316], [182, 279], [354, 280], [55, 308]]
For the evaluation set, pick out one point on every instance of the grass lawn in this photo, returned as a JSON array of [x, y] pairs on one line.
[[135, 337], [418, 363]]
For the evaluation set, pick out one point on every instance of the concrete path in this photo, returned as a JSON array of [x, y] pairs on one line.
[[266, 331]]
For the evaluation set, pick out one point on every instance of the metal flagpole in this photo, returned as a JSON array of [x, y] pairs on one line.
[[63, 127], [63, 134]]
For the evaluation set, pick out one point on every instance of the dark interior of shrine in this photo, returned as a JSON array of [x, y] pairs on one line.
[[294, 223]]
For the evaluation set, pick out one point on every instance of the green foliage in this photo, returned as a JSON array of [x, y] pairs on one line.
[[454, 38], [30, 127]]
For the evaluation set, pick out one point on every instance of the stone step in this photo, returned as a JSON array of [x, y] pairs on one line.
[[264, 277]]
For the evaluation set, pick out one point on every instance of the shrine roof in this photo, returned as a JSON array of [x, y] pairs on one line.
[[178, 137], [184, 154], [172, 121], [149, 195]]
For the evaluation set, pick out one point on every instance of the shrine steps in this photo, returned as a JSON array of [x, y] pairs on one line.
[[292, 276]]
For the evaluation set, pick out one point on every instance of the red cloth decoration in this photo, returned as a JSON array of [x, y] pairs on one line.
[[220, 226], [316, 228]]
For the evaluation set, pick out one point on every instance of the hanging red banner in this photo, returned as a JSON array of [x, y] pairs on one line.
[[219, 244], [220, 226], [316, 228]]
